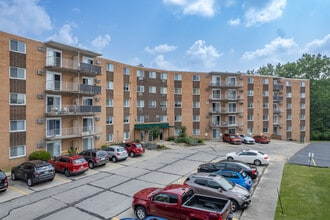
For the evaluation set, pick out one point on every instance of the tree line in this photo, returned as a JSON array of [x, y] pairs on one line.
[[316, 68]]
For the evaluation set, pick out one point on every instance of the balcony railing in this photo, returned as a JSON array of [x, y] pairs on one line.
[[225, 111], [226, 97], [278, 98], [216, 124], [71, 87], [226, 84], [72, 132], [63, 63], [277, 87], [72, 110]]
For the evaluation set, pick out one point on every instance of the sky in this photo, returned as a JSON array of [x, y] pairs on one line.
[[178, 35]]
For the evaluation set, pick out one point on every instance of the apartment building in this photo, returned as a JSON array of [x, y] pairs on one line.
[[61, 96]]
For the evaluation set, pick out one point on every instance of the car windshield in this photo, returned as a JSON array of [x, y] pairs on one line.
[[43, 167], [121, 149], [2, 175], [224, 183], [138, 145], [102, 154], [79, 160], [260, 152], [244, 174]]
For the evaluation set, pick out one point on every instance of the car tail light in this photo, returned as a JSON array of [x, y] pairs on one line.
[[253, 172], [97, 159], [265, 157], [118, 154]]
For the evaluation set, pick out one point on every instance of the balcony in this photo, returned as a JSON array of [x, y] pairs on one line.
[[277, 87], [226, 124], [226, 84], [72, 132], [68, 65], [277, 111], [225, 111], [278, 98], [53, 111], [60, 87], [226, 98]]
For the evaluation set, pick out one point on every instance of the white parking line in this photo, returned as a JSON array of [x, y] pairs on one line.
[[18, 190]]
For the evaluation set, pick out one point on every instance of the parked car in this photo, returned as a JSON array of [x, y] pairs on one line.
[[34, 171], [261, 139], [246, 139], [95, 157], [134, 148], [179, 202], [215, 185], [69, 164], [237, 176], [255, 157], [116, 153], [147, 218], [251, 170], [232, 139], [3, 181]]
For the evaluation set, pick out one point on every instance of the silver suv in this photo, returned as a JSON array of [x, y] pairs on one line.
[[116, 153], [211, 184]]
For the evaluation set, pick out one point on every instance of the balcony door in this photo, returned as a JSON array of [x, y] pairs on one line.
[[53, 81], [53, 127], [88, 125], [54, 58]]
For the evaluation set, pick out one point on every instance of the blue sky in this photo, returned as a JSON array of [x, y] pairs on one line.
[[190, 35]]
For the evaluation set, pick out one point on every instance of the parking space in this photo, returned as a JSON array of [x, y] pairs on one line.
[[106, 191]]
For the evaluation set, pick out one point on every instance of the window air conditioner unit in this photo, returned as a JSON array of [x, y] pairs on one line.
[[40, 120], [140, 78], [98, 62], [97, 81], [40, 96], [97, 118], [97, 99], [42, 49], [40, 72], [97, 137], [40, 145]]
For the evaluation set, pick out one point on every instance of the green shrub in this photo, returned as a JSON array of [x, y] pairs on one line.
[[40, 155], [171, 138], [200, 141], [72, 150]]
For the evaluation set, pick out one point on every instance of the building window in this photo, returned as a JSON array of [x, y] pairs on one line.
[[216, 93], [178, 91], [289, 117], [178, 77], [196, 131], [196, 78], [232, 107], [265, 81], [126, 87], [302, 116], [196, 118], [17, 46], [196, 91], [250, 130], [126, 119], [109, 85], [126, 71], [163, 76], [302, 95], [17, 151], [265, 105], [232, 120], [289, 106], [232, 94], [163, 90], [177, 131], [265, 93], [17, 73], [152, 89], [126, 135], [152, 75], [250, 80], [140, 118], [288, 83], [302, 106], [126, 102], [17, 99], [109, 120], [250, 117], [265, 130], [288, 128], [110, 67], [196, 104], [177, 104], [163, 104], [265, 117], [250, 104], [302, 128], [140, 88], [232, 81], [163, 118], [140, 103], [17, 125], [152, 104], [250, 93], [177, 118], [109, 103], [140, 73], [288, 95], [109, 137], [302, 84]]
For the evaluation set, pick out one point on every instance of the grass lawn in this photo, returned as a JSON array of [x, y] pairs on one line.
[[304, 193]]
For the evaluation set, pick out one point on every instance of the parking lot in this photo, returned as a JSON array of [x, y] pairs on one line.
[[106, 192]]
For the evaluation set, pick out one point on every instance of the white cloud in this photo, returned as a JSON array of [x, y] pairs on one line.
[[205, 55], [161, 63], [194, 7], [65, 36], [234, 22], [101, 42], [23, 17], [278, 51], [271, 12], [162, 48], [318, 46]]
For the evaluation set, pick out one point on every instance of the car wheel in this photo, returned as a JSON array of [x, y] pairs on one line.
[[257, 162], [140, 212], [114, 159], [29, 181], [230, 158], [234, 205], [13, 176], [90, 164], [131, 154], [66, 172]]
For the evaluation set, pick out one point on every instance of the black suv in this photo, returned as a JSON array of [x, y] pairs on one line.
[[252, 171], [33, 172], [95, 157], [3, 181]]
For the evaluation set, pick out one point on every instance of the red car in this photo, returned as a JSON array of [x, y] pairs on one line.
[[261, 139], [232, 139], [69, 165], [134, 148]]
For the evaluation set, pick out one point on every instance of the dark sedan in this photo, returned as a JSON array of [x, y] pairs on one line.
[[3, 181]]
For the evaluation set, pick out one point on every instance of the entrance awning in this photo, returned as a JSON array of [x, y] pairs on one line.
[[151, 126]]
